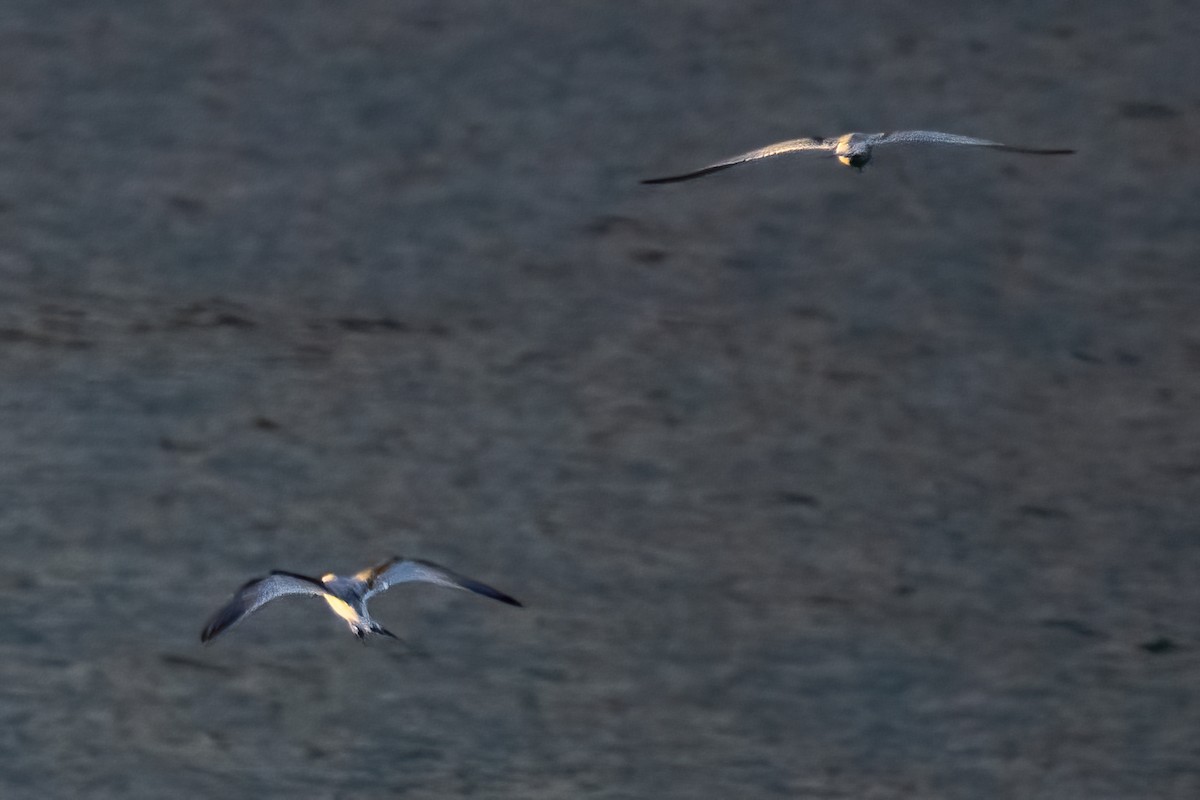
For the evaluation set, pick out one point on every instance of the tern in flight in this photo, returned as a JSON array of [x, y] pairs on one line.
[[854, 149], [346, 596]]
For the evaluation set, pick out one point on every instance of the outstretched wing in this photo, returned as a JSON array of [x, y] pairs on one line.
[[937, 137], [253, 595], [777, 149], [402, 570]]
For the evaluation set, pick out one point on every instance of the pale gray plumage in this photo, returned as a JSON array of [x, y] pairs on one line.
[[347, 597], [777, 149], [937, 137], [854, 149], [404, 570], [254, 594]]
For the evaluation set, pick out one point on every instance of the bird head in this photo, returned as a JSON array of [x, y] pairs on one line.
[[856, 160]]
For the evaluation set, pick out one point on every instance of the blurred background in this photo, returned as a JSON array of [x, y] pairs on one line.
[[816, 484]]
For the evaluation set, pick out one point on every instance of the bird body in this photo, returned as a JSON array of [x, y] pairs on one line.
[[853, 149], [346, 596]]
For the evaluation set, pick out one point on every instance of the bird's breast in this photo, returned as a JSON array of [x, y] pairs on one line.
[[342, 608]]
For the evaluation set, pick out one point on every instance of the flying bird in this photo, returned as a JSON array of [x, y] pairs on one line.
[[854, 149], [347, 597]]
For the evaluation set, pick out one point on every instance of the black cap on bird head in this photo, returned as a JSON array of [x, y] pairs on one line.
[[856, 160]]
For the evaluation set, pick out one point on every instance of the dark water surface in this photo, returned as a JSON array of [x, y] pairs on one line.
[[815, 484]]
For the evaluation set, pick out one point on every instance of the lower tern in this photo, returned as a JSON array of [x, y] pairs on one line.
[[854, 149], [347, 597]]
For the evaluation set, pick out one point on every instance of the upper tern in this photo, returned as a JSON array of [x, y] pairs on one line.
[[854, 149], [346, 596]]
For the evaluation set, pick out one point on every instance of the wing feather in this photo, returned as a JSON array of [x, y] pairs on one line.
[[777, 149], [938, 137], [253, 595], [404, 570]]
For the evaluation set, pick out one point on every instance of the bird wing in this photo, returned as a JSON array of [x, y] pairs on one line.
[[402, 570], [254, 594], [937, 137], [777, 149]]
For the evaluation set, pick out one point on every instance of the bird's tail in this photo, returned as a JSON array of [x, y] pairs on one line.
[[377, 628]]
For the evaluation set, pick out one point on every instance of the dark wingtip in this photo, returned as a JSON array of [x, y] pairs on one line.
[[495, 594], [687, 176], [219, 623], [655, 181], [1036, 151]]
